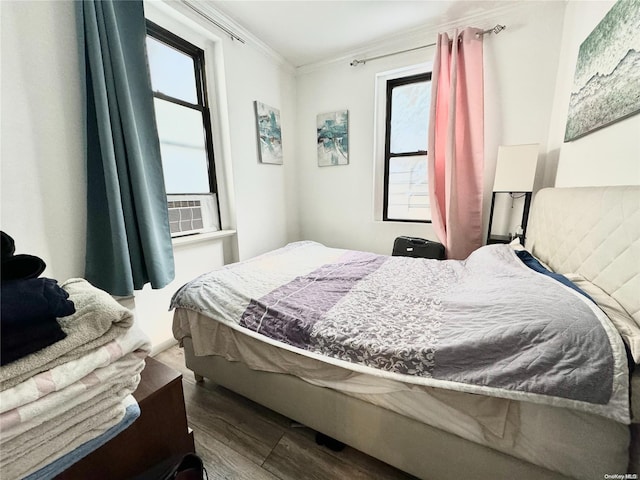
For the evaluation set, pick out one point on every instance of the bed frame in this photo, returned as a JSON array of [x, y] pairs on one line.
[[577, 230], [407, 444]]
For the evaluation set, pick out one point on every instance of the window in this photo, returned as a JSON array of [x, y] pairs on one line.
[[406, 194], [184, 127]]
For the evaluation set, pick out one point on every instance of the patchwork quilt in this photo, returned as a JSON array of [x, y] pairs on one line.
[[487, 325]]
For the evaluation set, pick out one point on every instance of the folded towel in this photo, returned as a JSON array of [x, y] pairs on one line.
[[98, 320], [65, 438], [26, 417], [60, 377], [132, 412], [48, 432]]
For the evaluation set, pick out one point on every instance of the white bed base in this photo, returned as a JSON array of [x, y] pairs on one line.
[[420, 449], [411, 446]]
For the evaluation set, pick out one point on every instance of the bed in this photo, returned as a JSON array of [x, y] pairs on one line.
[[439, 412]]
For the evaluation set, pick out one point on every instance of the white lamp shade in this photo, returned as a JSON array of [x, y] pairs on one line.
[[516, 168]]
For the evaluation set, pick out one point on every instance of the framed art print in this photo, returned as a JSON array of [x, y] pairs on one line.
[[333, 138], [269, 133], [606, 86]]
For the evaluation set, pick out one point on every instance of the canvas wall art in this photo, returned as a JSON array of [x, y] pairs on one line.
[[333, 138], [606, 86], [269, 133]]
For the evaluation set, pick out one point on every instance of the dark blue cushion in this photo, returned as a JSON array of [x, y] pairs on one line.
[[531, 262]]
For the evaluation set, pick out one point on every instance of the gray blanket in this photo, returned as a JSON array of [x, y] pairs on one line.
[[486, 325]]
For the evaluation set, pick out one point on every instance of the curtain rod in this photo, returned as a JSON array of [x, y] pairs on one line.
[[207, 17], [497, 29]]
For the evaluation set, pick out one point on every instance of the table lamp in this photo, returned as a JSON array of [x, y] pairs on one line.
[[515, 174]]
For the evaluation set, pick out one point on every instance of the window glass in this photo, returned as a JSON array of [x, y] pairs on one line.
[[182, 145], [410, 117], [408, 191], [172, 72]]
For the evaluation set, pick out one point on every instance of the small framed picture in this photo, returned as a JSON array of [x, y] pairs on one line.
[[333, 138], [269, 133]]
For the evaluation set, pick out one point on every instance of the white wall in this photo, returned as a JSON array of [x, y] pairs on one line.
[[520, 71], [610, 156], [41, 156], [42, 153], [266, 208], [336, 203]]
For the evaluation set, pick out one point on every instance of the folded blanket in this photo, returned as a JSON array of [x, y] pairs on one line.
[[60, 377], [27, 417], [98, 320], [108, 411]]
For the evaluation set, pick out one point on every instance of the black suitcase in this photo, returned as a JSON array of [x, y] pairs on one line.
[[418, 248]]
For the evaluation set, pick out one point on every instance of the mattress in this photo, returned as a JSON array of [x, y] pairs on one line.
[[577, 444]]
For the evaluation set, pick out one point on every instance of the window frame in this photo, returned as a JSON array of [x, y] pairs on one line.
[[197, 54], [390, 85]]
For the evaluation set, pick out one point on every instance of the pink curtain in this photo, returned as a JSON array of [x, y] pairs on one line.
[[456, 142]]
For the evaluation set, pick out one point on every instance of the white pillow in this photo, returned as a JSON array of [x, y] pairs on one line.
[[626, 326]]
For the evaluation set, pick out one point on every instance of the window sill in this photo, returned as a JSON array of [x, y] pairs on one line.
[[201, 237], [404, 222]]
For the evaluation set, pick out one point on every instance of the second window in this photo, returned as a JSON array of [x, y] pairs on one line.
[[406, 194]]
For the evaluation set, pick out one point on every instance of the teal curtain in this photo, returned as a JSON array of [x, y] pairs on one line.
[[128, 237]]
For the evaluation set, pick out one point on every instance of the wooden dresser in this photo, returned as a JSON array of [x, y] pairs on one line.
[[160, 432]]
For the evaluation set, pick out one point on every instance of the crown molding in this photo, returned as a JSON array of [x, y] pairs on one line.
[[412, 38], [184, 7]]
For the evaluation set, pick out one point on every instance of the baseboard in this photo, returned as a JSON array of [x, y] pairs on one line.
[[162, 346]]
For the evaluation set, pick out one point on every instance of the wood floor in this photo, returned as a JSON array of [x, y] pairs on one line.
[[239, 439]]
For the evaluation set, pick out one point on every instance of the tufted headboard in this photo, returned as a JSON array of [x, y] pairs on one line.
[[593, 232]]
